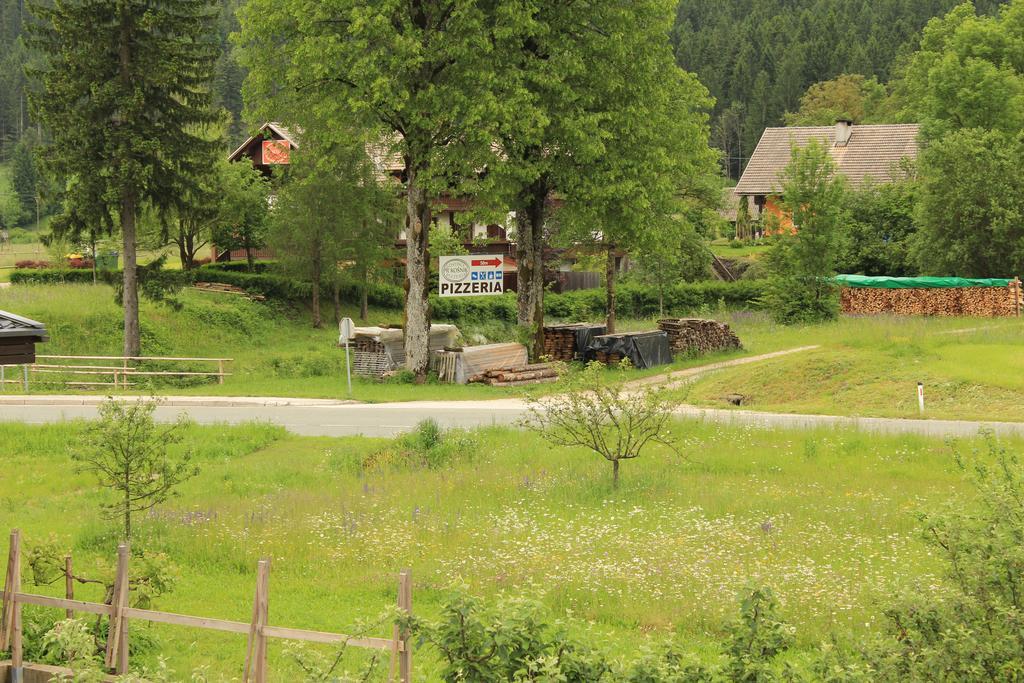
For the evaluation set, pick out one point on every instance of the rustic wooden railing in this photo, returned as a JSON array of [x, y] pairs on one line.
[[120, 613], [120, 369]]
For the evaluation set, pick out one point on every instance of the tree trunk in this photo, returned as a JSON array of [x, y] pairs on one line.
[[364, 304], [530, 261], [336, 295], [250, 258], [317, 321], [417, 279], [127, 504], [132, 340], [615, 474], [609, 284]]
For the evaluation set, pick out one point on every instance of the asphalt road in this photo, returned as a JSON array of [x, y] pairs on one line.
[[325, 418]]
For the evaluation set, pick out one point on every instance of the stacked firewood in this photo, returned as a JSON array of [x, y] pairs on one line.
[[697, 337], [368, 344], [560, 340], [608, 358], [981, 302], [538, 373]]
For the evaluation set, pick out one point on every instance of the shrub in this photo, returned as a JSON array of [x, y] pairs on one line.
[[51, 276], [32, 264], [79, 263]]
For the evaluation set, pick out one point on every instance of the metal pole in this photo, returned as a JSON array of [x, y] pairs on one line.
[[3, 381], [348, 370], [25, 368], [920, 396]]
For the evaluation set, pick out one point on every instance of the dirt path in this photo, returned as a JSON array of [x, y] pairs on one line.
[[674, 379]]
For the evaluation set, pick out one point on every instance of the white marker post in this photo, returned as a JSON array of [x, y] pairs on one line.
[[344, 334], [920, 396]]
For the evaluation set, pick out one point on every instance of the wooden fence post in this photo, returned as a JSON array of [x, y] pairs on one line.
[[405, 604], [10, 625], [69, 585], [256, 647], [220, 372], [117, 634]]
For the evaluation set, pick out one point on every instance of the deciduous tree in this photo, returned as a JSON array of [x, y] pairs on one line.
[[128, 453], [427, 74], [802, 262]]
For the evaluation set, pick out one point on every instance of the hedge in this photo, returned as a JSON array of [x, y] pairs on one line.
[[633, 301]]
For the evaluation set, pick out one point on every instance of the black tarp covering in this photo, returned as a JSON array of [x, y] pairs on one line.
[[584, 336], [643, 349]]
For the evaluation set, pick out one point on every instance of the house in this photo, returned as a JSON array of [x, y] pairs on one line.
[[18, 339], [863, 154], [268, 147]]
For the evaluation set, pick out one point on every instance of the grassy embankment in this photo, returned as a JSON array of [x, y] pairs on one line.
[[276, 352], [871, 367], [825, 518]]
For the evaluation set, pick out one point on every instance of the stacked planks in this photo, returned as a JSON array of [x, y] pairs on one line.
[[697, 337], [226, 289], [538, 373], [979, 302]]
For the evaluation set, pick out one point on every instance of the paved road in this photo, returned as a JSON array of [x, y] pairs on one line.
[[322, 417], [325, 418]]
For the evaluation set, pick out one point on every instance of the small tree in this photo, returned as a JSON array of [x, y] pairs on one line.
[[128, 452], [602, 414], [802, 263], [244, 210]]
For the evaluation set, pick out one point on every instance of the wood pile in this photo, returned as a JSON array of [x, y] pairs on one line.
[[538, 373], [368, 344], [560, 340], [608, 358], [226, 289], [696, 337], [979, 302]]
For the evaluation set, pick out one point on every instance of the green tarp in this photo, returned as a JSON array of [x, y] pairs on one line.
[[918, 282]]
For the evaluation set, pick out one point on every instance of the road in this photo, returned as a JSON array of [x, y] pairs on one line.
[[326, 418]]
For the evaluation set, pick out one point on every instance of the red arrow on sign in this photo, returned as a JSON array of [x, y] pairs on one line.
[[493, 263]]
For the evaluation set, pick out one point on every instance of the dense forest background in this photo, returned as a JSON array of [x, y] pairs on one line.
[[757, 57]]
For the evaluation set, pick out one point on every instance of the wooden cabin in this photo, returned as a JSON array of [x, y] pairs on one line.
[[18, 339]]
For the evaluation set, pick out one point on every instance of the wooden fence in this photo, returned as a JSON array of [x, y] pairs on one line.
[[117, 370], [258, 630]]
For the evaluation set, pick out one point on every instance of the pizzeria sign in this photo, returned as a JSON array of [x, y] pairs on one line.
[[470, 275]]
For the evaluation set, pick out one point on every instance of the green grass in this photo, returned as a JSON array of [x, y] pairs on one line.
[[871, 367], [825, 518], [751, 251], [276, 351]]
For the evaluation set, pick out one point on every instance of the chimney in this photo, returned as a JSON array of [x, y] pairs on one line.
[[844, 129]]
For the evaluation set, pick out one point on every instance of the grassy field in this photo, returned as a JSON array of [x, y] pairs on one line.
[[871, 367], [824, 518]]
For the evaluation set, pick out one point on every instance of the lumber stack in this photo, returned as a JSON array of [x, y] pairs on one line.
[[226, 289], [560, 341], [979, 302], [368, 344], [538, 373], [697, 337]]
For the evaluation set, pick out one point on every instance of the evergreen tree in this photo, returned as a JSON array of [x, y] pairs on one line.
[[124, 84]]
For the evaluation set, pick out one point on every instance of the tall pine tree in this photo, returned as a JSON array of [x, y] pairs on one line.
[[124, 83]]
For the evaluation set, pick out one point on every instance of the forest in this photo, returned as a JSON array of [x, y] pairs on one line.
[[757, 57]]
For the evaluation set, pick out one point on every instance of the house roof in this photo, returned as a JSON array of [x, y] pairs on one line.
[[15, 326], [872, 154], [276, 128]]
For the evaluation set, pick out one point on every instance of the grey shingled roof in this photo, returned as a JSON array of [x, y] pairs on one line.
[[873, 154], [15, 326]]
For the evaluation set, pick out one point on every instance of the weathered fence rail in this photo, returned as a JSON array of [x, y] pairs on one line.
[[118, 371], [258, 630]]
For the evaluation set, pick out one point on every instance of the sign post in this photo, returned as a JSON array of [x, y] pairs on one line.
[[920, 396], [344, 334], [471, 275]]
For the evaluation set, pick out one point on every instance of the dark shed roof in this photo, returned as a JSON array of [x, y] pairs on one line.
[[15, 326]]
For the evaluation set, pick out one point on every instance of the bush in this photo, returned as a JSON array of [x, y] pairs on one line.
[[32, 264], [80, 263], [51, 276]]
